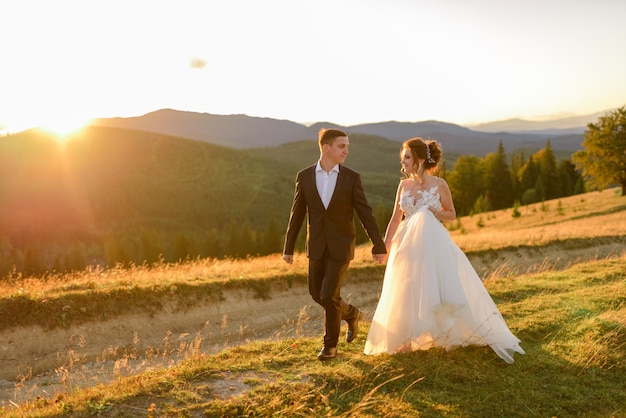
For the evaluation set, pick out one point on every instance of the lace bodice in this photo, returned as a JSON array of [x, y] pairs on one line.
[[410, 203]]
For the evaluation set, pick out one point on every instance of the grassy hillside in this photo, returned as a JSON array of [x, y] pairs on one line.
[[376, 158], [107, 182], [557, 273], [121, 176]]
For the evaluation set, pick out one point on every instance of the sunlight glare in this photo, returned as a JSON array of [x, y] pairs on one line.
[[64, 127]]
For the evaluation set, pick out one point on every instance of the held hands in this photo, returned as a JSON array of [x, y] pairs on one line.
[[380, 258]]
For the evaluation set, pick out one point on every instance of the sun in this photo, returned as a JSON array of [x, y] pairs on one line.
[[64, 127]]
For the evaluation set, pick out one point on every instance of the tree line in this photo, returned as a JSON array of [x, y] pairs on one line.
[[497, 182]]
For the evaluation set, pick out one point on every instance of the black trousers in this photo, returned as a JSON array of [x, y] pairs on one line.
[[325, 279]]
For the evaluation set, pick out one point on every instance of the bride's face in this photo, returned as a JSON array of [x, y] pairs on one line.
[[409, 164]]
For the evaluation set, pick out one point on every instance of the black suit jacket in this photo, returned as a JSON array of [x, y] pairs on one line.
[[332, 227]]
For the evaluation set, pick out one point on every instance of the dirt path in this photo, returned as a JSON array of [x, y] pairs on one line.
[[34, 362]]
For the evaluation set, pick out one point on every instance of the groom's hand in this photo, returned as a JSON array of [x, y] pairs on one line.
[[288, 258]]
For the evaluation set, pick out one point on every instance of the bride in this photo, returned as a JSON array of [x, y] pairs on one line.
[[431, 295]]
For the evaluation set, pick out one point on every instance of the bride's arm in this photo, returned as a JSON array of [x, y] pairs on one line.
[[396, 217], [447, 212]]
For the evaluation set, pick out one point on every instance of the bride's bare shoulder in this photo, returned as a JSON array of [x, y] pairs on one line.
[[441, 181], [405, 184]]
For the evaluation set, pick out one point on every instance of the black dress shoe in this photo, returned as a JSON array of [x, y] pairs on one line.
[[327, 353], [353, 328]]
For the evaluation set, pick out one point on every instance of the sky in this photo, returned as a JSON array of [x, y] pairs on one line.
[[348, 62]]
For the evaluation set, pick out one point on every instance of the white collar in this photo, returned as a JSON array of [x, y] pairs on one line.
[[318, 167]]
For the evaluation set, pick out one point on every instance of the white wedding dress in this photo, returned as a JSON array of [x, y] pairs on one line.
[[431, 295]]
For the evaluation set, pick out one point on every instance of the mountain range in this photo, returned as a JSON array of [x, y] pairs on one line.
[[242, 131], [558, 126]]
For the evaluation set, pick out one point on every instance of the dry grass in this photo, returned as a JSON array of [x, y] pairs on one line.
[[591, 215], [193, 272]]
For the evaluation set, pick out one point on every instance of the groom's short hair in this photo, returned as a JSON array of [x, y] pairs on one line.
[[328, 136]]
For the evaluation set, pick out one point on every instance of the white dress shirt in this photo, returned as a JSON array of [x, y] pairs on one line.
[[326, 182]]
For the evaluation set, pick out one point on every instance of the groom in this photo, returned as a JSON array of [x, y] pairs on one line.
[[330, 193]]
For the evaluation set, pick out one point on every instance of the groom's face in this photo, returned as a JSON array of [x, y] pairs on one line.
[[338, 150]]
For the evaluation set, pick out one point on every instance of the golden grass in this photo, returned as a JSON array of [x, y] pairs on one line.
[[194, 272], [594, 214]]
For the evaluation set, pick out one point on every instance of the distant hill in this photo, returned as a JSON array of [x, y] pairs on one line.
[[106, 181], [234, 131], [560, 126], [458, 140], [376, 158], [241, 131]]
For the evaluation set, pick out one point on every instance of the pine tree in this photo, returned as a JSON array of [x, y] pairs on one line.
[[517, 162], [528, 175], [58, 265], [568, 177], [182, 248], [466, 182], [549, 172], [6, 260], [272, 242], [34, 263], [498, 180], [580, 186], [77, 259], [232, 246], [212, 247], [150, 246], [117, 252]]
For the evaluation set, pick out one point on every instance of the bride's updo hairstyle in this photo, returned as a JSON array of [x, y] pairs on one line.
[[427, 150]]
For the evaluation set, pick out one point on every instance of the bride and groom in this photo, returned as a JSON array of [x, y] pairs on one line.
[[431, 295]]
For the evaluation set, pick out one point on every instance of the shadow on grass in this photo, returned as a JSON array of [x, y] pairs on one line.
[[470, 381], [566, 244]]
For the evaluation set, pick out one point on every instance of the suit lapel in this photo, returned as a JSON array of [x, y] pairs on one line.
[[313, 180]]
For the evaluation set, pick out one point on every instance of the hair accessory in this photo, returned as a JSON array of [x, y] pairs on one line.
[[429, 158]]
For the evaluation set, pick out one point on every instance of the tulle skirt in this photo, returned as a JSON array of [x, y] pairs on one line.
[[432, 297]]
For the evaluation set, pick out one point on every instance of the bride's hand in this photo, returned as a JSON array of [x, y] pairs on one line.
[[380, 258]]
